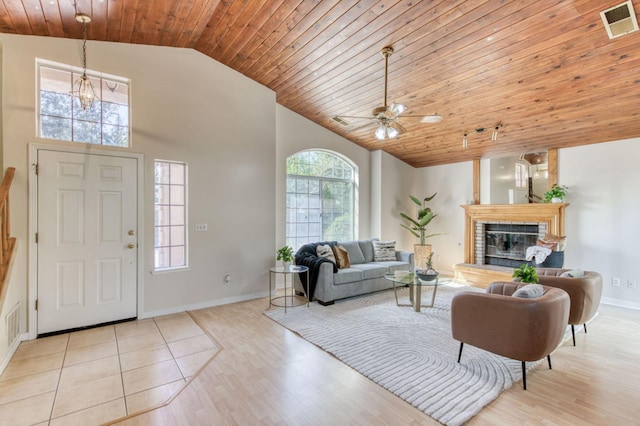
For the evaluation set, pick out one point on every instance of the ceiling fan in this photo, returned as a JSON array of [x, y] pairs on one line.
[[386, 116]]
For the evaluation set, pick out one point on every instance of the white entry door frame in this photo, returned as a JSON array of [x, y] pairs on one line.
[[33, 222]]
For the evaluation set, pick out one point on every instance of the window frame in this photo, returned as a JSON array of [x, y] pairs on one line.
[[40, 63], [185, 224], [353, 182]]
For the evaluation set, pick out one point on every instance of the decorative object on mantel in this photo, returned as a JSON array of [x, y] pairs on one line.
[[418, 227], [556, 194], [526, 274], [286, 255]]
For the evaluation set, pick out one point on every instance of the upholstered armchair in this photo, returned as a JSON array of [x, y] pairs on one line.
[[526, 329], [585, 293]]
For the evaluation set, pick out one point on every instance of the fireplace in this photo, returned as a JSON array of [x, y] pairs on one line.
[[505, 244], [496, 237]]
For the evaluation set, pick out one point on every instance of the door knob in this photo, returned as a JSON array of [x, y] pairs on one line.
[[131, 246], [131, 232]]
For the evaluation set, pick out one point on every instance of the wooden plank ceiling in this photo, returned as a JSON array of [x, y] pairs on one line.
[[544, 69]]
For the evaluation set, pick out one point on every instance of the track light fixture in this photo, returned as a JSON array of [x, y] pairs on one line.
[[494, 134]]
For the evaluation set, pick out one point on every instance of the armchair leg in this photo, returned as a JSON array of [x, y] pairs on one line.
[[524, 376], [549, 360], [585, 327], [573, 334], [460, 353]]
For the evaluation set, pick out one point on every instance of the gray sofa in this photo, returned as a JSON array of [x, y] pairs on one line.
[[363, 276]]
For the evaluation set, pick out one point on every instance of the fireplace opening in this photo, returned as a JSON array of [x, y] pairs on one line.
[[506, 244]]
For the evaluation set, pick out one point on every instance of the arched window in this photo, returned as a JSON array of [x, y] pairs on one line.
[[321, 198]]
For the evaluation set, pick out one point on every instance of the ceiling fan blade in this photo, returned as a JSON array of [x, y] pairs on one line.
[[429, 119], [342, 119], [401, 129]]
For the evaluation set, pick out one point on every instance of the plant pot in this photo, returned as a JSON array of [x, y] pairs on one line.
[[557, 200], [427, 276], [286, 265], [421, 253]]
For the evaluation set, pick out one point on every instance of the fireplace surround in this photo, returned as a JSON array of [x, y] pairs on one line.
[[547, 217]]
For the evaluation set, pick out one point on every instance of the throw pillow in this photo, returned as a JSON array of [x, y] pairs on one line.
[[342, 257], [560, 241], [325, 251], [529, 291], [575, 273], [552, 246], [384, 251]]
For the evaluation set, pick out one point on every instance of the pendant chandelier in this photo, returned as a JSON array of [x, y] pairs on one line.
[[82, 88]]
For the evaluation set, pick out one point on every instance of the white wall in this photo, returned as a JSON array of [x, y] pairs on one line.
[[185, 107], [454, 185], [602, 220]]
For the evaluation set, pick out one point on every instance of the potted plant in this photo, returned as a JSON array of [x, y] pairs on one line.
[[418, 227], [286, 255], [526, 274], [556, 194], [428, 274]]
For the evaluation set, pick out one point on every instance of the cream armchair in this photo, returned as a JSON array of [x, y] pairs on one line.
[[514, 327]]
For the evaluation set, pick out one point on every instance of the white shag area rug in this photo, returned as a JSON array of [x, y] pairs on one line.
[[411, 354]]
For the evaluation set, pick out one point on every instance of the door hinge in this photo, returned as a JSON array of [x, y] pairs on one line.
[[37, 168], [36, 304], [36, 238]]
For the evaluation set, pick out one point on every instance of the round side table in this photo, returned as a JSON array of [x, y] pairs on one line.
[[289, 271]]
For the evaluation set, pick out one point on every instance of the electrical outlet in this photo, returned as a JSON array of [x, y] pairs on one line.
[[631, 284], [615, 281], [201, 227]]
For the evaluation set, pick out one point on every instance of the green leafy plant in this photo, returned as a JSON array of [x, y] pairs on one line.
[[556, 191], [526, 274], [285, 254], [430, 269], [418, 226]]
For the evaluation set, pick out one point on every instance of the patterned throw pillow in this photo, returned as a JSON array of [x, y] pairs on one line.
[[342, 257], [384, 251], [325, 251]]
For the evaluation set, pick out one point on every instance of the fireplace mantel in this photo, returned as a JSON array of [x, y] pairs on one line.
[[551, 214]]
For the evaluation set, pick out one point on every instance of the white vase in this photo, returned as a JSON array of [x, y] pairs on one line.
[[556, 200], [286, 265]]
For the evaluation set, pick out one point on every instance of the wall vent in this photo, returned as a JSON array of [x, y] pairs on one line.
[[12, 325], [619, 20]]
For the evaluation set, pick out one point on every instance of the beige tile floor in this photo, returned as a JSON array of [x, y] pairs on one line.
[[98, 375]]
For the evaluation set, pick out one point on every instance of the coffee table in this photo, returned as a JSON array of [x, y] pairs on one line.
[[412, 282]]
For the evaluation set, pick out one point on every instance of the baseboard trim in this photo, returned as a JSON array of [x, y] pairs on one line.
[[620, 303], [12, 350], [202, 305]]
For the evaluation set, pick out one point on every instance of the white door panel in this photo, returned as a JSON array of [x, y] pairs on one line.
[[87, 239]]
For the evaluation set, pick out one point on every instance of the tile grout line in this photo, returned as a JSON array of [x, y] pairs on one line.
[[124, 396], [55, 397]]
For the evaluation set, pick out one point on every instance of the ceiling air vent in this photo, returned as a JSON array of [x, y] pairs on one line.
[[341, 120], [619, 20]]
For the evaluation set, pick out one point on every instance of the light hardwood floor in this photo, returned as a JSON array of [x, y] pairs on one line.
[[265, 374]]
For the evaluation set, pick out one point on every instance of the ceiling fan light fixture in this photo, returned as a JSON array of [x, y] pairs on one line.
[[397, 109], [381, 132], [392, 132]]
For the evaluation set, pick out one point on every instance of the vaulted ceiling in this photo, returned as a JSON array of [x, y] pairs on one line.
[[545, 70]]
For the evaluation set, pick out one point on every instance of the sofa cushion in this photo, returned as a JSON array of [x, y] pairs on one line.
[[355, 254], [371, 270], [342, 256], [367, 249], [384, 250], [347, 275], [394, 265]]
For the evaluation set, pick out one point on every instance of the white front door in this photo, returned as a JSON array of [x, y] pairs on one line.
[[87, 239]]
